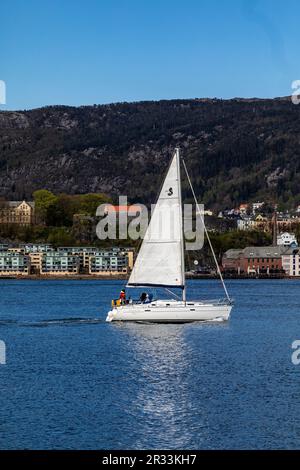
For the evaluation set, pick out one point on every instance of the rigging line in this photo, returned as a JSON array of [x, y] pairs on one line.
[[172, 293], [206, 232]]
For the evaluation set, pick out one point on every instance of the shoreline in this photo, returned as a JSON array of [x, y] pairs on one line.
[[85, 277], [80, 277]]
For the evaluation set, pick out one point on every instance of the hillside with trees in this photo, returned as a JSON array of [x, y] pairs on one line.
[[236, 150]]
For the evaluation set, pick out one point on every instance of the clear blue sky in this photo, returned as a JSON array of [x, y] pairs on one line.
[[100, 51]]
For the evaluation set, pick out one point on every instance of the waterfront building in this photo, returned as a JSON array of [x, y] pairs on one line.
[[59, 263], [82, 252], [35, 251], [264, 260], [43, 259], [14, 264], [108, 262], [17, 212], [85, 253], [232, 261], [291, 262], [35, 262], [254, 260]]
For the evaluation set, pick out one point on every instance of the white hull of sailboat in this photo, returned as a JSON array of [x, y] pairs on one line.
[[171, 312]]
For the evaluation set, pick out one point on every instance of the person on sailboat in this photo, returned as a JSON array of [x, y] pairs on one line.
[[146, 298], [123, 296]]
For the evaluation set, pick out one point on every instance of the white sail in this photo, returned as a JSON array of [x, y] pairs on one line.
[[160, 261]]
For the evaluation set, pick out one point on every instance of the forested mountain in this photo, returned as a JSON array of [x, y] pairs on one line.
[[237, 150]]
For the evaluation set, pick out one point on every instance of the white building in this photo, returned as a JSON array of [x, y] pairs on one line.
[[291, 263], [286, 239], [245, 223], [256, 206]]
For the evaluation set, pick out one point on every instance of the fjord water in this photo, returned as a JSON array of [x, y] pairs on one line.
[[73, 381]]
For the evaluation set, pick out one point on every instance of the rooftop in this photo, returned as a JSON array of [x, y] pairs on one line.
[[17, 203], [259, 252]]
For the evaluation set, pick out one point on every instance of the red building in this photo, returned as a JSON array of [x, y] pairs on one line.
[[254, 260]]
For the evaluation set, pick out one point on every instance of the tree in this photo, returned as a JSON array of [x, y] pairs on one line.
[[44, 201], [90, 202], [60, 236]]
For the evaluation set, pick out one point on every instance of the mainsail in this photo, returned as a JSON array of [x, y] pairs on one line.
[[160, 261]]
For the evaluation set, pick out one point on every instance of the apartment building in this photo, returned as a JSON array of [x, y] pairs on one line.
[[87, 258], [44, 260], [83, 253], [58, 263], [108, 262], [14, 264]]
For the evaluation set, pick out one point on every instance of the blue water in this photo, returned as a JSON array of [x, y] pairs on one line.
[[73, 381]]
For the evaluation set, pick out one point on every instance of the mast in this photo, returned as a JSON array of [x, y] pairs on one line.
[[181, 222]]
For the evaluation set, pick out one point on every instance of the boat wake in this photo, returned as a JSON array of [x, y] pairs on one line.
[[70, 321]]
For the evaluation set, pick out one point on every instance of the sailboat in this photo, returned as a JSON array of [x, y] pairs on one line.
[[160, 264]]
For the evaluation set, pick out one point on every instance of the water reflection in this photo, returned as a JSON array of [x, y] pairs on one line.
[[163, 399]]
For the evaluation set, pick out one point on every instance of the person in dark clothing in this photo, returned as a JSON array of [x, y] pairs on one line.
[[143, 297]]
